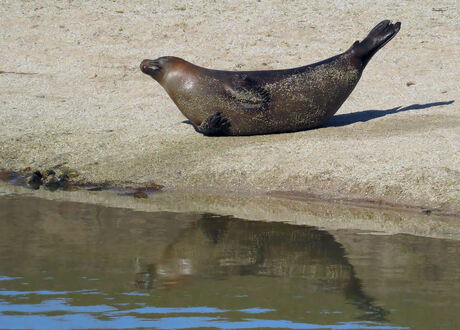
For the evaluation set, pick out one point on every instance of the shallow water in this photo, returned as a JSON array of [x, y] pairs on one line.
[[73, 265]]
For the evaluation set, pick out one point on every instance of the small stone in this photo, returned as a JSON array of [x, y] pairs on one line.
[[63, 181], [153, 187], [51, 183], [410, 83], [8, 175], [140, 194], [35, 181], [71, 173]]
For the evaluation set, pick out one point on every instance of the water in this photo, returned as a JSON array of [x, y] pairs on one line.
[[72, 265]]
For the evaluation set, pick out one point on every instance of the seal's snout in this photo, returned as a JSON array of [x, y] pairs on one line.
[[149, 66]]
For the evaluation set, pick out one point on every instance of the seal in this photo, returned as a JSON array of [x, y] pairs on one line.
[[272, 101]]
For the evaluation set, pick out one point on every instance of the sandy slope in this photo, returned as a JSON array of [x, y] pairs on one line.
[[88, 105]]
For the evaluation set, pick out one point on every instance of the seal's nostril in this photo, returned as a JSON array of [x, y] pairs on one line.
[[143, 66]]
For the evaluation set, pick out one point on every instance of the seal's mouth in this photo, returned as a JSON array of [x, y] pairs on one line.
[[150, 66]]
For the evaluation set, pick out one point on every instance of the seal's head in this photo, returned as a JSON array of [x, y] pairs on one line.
[[172, 73], [160, 68], [157, 68]]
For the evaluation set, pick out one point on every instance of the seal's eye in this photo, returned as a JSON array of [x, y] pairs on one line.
[[163, 59]]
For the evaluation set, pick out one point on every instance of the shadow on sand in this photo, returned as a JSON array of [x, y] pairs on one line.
[[363, 116]]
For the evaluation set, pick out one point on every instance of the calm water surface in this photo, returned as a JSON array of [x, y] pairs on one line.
[[72, 265]]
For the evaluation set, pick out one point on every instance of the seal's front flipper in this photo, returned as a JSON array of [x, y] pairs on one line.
[[249, 94], [215, 125]]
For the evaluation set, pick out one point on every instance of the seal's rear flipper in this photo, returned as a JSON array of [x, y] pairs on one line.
[[376, 39]]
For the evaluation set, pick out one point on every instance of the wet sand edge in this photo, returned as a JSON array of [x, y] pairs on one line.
[[296, 208]]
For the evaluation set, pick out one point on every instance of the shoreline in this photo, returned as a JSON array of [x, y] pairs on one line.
[[368, 203], [21, 179], [261, 207]]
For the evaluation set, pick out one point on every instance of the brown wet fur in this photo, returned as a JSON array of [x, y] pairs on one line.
[[264, 102]]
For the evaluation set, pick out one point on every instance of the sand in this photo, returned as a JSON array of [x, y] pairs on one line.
[[72, 93]]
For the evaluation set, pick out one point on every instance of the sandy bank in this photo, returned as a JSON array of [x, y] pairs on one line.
[[83, 101]]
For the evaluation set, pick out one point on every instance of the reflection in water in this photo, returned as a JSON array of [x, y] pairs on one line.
[[224, 246], [72, 265]]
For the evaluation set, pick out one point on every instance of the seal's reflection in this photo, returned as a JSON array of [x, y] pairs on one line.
[[223, 247]]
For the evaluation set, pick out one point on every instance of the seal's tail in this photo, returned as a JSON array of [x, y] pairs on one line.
[[376, 39]]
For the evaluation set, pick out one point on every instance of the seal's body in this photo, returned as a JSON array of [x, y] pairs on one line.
[[261, 102]]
